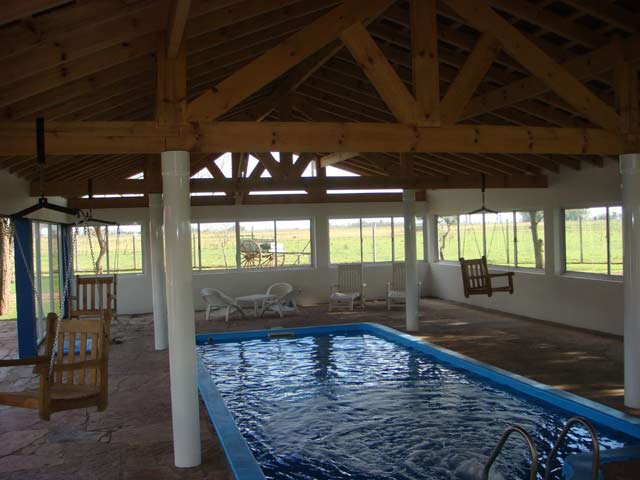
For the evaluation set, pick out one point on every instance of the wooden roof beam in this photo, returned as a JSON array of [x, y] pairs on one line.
[[425, 61], [274, 63], [583, 67], [176, 25], [131, 137], [124, 187], [555, 76], [468, 78]]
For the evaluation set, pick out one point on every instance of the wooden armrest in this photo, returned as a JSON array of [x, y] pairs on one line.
[[506, 274], [25, 361]]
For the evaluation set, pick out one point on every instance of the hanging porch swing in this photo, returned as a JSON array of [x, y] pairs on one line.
[[476, 279]]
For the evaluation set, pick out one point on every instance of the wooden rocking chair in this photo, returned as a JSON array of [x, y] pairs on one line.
[[476, 278], [80, 370]]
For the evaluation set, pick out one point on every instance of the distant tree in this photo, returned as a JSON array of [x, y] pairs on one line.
[[576, 214], [102, 248], [6, 264], [223, 238], [447, 222], [534, 218]]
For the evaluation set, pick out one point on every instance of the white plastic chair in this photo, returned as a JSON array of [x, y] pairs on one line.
[[284, 299], [217, 300], [396, 287], [349, 288]]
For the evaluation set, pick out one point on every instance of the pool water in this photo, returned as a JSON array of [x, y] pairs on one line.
[[356, 406]]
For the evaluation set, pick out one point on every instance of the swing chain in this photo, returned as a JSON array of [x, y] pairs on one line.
[[63, 299]]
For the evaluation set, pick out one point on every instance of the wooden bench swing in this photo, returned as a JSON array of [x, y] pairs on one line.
[[77, 377], [476, 279]]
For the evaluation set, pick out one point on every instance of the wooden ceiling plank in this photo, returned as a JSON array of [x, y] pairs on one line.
[[551, 22], [90, 41], [77, 69], [278, 60], [555, 76], [18, 9]]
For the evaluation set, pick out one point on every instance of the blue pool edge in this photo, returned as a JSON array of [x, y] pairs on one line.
[[244, 465]]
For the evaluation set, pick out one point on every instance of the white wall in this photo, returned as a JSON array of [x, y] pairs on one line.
[[579, 301], [134, 291], [14, 196]]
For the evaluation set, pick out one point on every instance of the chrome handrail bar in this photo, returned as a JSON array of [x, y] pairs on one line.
[[594, 439], [498, 448]]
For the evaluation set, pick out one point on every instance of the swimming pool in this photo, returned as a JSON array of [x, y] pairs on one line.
[[363, 401]]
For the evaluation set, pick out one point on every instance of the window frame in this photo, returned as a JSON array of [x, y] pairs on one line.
[[207, 271], [563, 243], [109, 268], [513, 214]]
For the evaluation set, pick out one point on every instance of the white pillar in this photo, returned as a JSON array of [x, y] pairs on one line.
[[410, 260], [630, 171], [156, 257], [182, 355]]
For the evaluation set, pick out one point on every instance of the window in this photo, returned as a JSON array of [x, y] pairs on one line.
[[112, 249], [217, 246], [593, 240], [260, 244], [47, 275], [370, 240], [513, 239]]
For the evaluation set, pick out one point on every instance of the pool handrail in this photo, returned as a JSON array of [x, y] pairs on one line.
[[498, 448], [595, 462]]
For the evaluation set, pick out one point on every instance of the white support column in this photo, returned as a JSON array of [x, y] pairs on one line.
[[410, 260], [182, 330], [630, 172], [156, 257]]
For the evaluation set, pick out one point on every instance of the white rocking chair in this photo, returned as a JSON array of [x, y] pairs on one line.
[[396, 294], [349, 288]]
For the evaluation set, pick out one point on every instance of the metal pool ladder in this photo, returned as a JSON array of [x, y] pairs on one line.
[[554, 451], [498, 448], [595, 462]]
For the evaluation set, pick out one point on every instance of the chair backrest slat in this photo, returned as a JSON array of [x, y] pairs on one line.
[[350, 277], [93, 295], [475, 276], [398, 276]]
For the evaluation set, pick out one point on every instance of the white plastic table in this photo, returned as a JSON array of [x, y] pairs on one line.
[[256, 300]]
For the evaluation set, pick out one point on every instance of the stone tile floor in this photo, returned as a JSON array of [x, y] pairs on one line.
[[132, 439]]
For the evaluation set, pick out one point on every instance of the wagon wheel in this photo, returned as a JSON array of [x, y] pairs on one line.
[[250, 254]]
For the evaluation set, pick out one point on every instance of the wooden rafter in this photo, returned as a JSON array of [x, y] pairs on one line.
[[557, 78], [176, 26], [382, 75], [426, 65], [468, 79], [214, 102]]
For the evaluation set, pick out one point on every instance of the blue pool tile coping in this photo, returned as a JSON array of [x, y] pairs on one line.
[[244, 465]]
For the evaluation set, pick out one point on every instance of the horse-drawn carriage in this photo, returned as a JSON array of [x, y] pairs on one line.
[[267, 252]]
